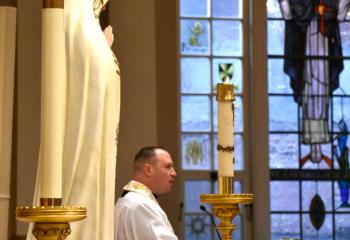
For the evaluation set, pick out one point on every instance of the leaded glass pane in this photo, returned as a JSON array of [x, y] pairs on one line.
[[194, 37], [311, 188], [273, 9], [342, 229], [237, 72], [284, 196], [193, 190], [194, 8], [238, 112], [227, 38], [341, 111], [345, 37], [275, 40], [197, 227], [343, 82], [283, 114], [195, 75], [341, 195], [284, 226], [227, 8], [195, 113], [196, 150], [238, 154], [278, 81], [283, 151], [311, 233]]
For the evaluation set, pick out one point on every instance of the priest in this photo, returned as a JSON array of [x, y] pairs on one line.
[[138, 215]]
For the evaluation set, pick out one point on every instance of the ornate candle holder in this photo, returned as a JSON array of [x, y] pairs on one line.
[[225, 205], [51, 220]]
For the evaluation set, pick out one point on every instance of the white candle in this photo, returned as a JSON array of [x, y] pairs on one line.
[[53, 103], [225, 135]]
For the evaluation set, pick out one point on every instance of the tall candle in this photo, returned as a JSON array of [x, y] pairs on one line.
[[53, 95], [225, 129]]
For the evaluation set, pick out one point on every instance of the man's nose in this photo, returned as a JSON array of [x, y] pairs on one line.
[[173, 173]]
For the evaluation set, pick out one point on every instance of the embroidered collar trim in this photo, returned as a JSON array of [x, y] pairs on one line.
[[135, 186]]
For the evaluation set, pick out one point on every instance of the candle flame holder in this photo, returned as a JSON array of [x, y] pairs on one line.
[[225, 205], [51, 222]]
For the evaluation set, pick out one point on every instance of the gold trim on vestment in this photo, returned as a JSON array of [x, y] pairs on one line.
[[135, 186]]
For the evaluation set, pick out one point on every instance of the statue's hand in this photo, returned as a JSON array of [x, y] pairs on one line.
[[108, 32]]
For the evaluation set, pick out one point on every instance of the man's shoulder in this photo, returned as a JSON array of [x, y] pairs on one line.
[[132, 198]]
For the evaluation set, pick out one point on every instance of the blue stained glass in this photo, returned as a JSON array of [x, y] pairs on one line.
[[345, 37], [344, 80], [194, 8], [227, 8], [341, 195], [289, 200], [322, 188], [196, 150], [238, 154], [342, 226], [284, 226], [341, 110], [197, 227], [283, 151], [275, 43], [193, 190], [237, 72], [273, 9], [278, 81], [194, 37], [227, 38], [283, 114], [195, 75], [195, 113], [324, 233], [238, 111]]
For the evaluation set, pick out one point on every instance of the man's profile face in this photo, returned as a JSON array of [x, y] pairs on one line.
[[163, 172]]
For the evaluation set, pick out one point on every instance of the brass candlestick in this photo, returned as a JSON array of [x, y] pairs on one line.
[[51, 221], [226, 205]]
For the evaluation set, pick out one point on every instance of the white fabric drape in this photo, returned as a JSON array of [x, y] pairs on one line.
[[92, 118], [7, 73]]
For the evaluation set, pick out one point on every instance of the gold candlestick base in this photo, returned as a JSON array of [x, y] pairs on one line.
[[226, 207], [51, 222]]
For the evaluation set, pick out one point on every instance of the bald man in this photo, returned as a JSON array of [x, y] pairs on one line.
[[138, 215]]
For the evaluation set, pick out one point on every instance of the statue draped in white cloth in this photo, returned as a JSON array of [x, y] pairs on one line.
[[92, 118]]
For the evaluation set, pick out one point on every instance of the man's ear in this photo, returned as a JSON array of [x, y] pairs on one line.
[[148, 169]]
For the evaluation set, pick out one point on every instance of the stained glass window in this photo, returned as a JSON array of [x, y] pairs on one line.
[[211, 33], [308, 89]]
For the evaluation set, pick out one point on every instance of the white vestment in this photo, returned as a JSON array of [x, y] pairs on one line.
[[138, 216], [92, 118]]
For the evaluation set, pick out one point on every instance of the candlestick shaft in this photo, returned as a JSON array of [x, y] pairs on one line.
[[53, 103]]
